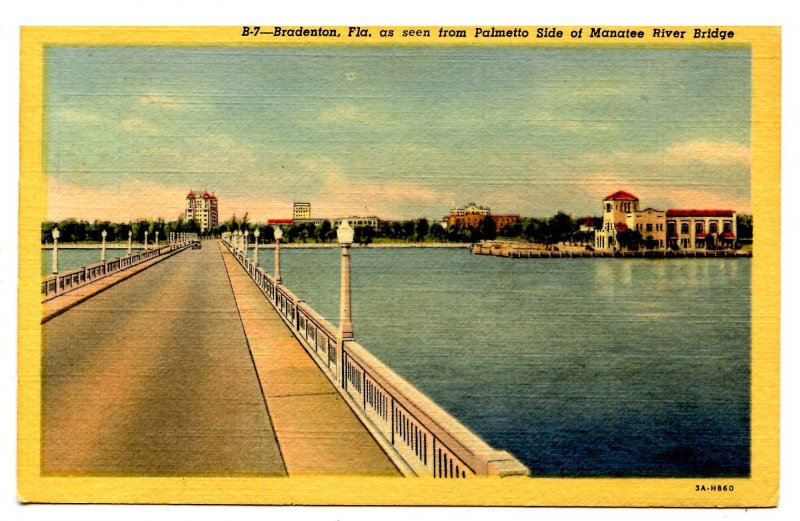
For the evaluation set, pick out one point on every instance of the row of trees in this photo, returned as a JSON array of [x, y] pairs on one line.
[[560, 228], [72, 230]]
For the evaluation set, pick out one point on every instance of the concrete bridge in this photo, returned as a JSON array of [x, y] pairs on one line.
[[197, 362]]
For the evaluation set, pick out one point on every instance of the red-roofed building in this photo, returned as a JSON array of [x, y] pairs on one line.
[[280, 221], [616, 208], [657, 229], [202, 207], [621, 195], [473, 215], [699, 229]]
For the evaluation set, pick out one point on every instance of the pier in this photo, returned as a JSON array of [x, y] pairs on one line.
[[185, 361], [528, 251]]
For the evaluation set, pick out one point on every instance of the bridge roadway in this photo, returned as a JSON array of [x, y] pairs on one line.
[[155, 376]]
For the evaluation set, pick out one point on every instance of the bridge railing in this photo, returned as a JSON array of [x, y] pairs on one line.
[[56, 284], [421, 436]]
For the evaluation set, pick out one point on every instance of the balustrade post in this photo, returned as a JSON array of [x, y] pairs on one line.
[[278, 234], [103, 234], [256, 234], [56, 235], [344, 234]]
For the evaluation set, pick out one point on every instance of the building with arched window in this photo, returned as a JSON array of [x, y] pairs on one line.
[[625, 226]]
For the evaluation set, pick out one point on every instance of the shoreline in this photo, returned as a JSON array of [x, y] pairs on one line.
[[452, 245]]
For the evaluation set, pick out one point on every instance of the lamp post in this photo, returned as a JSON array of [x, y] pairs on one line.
[[278, 235], [156, 238], [56, 235], [103, 234], [145, 239], [344, 233], [256, 234], [245, 236], [130, 240]]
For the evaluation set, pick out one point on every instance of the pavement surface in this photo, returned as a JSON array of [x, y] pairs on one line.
[[316, 429], [153, 376]]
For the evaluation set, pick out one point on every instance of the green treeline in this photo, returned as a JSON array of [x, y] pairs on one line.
[[559, 228], [72, 230]]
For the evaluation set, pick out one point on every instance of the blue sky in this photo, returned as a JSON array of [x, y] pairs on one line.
[[398, 132]]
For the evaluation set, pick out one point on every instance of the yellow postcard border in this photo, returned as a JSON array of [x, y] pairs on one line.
[[761, 489]]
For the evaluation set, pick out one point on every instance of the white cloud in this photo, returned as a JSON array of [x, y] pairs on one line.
[[77, 116], [708, 152], [160, 100], [703, 152], [345, 112], [136, 124]]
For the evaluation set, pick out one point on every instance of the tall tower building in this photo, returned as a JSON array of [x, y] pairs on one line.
[[202, 207], [301, 211]]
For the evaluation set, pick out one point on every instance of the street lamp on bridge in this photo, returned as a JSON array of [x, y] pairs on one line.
[[130, 240], [103, 234], [278, 235], [256, 234], [56, 235], [344, 233], [145, 239]]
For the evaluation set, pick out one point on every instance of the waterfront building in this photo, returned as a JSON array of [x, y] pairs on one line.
[[280, 222], [700, 229], [202, 208], [358, 222], [315, 221], [650, 224], [503, 220], [673, 228], [301, 211], [473, 215], [470, 209]]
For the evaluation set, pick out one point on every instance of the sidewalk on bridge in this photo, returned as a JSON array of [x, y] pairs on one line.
[[61, 303], [317, 431]]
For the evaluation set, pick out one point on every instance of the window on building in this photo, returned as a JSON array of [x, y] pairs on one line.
[[727, 226], [713, 227], [608, 207], [649, 227], [685, 227], [698, 227]]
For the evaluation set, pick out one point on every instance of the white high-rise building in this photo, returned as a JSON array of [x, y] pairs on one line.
[[202, 207]]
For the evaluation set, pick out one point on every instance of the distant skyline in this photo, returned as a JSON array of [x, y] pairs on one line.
[[397, 132]]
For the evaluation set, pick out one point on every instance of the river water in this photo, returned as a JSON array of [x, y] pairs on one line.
[[74, 258], [579, 367]]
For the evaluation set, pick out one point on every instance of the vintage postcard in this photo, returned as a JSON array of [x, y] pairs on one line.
[[329, 265]]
